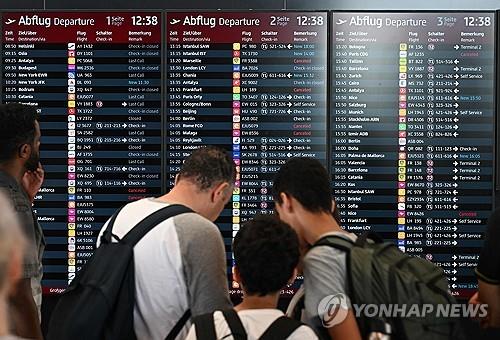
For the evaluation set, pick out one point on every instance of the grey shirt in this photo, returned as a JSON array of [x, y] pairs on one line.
[[36, 243], [324, 275], [203, 254]]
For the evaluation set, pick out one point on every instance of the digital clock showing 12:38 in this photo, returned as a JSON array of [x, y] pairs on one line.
[[145, 20], [310, 20], [477, 21]]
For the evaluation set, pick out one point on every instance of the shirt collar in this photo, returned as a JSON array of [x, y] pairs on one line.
[[9, 180]]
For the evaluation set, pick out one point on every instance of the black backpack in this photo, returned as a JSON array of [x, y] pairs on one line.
[[99, 302], [379, 273], [280, 329]]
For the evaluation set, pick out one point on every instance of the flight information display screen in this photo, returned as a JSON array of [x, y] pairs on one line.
[[253, 83], [95, 79], [400, 107], [412, 132]]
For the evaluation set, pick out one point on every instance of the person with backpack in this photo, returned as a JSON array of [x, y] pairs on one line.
[[303, 199], [266, 254], [179, 261], [343, 272]]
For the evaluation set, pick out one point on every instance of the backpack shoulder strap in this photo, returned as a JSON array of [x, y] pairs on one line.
[[108, 233], [334, 241], [368, 235], [281, 328], [179, 326], [345, 245], [234, 323], [151, 221], [205, 327]]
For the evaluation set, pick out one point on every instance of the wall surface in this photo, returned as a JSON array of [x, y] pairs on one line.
[[254, 4], [395, 5]]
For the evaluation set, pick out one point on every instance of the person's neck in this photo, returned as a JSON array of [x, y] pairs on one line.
[[4, 325], [269, 301], [13, 170], [315, 225], [184, 193]]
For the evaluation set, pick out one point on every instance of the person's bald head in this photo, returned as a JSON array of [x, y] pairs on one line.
[[12, 244]]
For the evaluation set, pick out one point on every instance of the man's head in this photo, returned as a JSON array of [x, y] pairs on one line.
[[19, 135], [212, 172], [301, 184], [266, 253], [12, 243]]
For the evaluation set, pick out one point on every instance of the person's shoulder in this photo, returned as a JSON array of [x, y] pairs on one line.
[[192, 220], [11, 337], [143, 202], [144, 207], [13, 191], [304, 332], [194, 229], [218, 316], [327, 253], [7, 180], [325, 259]]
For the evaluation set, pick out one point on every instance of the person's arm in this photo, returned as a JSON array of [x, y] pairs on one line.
[[488, 272], [204, 262], [23, 311], [347, 329], [325, 275], [489, 294]]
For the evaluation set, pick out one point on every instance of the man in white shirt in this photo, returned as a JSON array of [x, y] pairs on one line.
[[266, 254], [181, 263], [12, 246]]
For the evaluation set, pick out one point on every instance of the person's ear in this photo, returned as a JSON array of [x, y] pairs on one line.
[[236, 275], [176, 179], [25, 151], [286, 201], [334, 205], [220, 192]]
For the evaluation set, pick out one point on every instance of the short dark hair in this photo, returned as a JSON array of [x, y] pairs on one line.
[[17, 127], [208, 166], [336, 215], [266, 252], [305, 179]]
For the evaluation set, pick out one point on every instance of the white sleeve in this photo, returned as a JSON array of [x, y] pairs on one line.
[[192, 333], [303, 333]]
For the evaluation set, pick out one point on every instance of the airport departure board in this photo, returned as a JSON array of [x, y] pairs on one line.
[[253, 83], [95, 79], [412, 132], [400, 107]]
